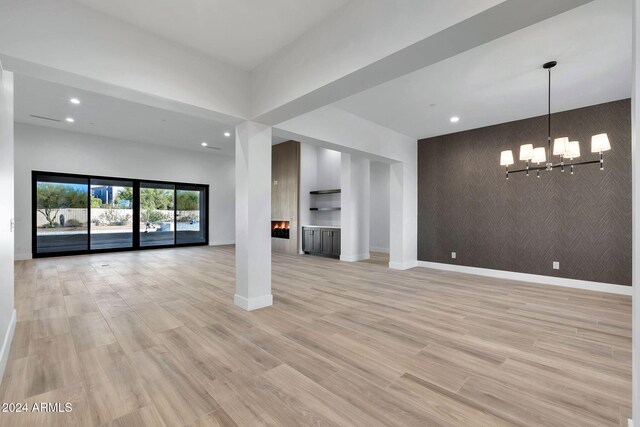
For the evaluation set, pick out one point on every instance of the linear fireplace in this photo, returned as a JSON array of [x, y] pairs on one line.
[[280, 229]]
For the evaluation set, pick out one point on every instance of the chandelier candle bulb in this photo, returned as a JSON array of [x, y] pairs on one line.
[[560, 146], [573, 150], [600, 143], [539, 155], [526, 152], [506, 158]]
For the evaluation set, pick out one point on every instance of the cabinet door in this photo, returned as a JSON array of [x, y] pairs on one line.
[[311, 240], [327, 244], [317, 240], [307, 240], [335, 243]]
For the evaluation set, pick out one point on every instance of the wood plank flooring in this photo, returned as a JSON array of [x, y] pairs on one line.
[[152, 338]]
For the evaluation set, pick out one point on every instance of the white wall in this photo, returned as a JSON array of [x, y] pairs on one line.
[[329, 164], [379, 202], [51, 150], [308, 182], [7, 311]]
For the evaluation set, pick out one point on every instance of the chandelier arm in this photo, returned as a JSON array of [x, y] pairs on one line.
[[531, 169], [587, 162], [556, 166]]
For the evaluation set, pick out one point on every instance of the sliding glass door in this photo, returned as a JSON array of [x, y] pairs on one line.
[[76, 214], [190, 214], [60, 213], [157, 214], [111, 214]]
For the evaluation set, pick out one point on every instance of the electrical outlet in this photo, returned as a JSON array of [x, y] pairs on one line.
[[453, 255], [556, 265]]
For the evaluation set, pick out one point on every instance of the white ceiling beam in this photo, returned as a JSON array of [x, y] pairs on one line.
[[271, 106]]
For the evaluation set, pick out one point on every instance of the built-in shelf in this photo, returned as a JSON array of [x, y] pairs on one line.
[[335, 191], [328, 208]]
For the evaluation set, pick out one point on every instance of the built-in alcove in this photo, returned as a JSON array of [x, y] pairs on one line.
[[321, 205]]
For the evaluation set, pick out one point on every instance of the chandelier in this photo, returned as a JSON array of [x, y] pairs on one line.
[[562, 147]]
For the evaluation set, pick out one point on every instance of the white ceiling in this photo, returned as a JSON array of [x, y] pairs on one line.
[[113, 117], [503, 80], [243, 33]]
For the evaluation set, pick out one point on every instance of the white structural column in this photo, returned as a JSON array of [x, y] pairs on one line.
[[635, 167], [403, 214], [354, 217], [253, 216]]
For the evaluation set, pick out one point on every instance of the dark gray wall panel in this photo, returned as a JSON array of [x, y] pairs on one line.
[[524, 224]]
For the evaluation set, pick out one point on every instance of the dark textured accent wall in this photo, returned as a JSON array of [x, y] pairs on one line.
[[465, 204]]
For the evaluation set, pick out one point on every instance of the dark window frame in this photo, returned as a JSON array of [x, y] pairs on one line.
[[136, 214]]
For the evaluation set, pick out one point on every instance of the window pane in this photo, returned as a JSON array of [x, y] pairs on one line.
[[111, 214], [61, 214], [191, 215], [157, 225]]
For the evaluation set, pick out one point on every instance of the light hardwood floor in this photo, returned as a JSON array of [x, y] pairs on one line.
[[152, 338]]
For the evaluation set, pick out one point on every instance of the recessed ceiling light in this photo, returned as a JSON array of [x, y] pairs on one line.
[[454, 119], [204, 144], [70, 119], [227, 134], [74, 101]]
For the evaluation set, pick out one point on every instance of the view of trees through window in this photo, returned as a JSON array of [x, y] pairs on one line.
[[74, 213], [190, 210], [111, 214], [52, 198], [157, 225], [61, 214]]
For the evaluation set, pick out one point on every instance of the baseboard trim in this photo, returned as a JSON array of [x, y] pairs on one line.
[[379, 249], [6, 344], [630, 422], [222, 242], [253, 303], [355, 258], [531, 278], [403, 265], [22, 257]]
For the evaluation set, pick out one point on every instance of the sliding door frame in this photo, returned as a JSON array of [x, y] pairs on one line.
[[136, 215]]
